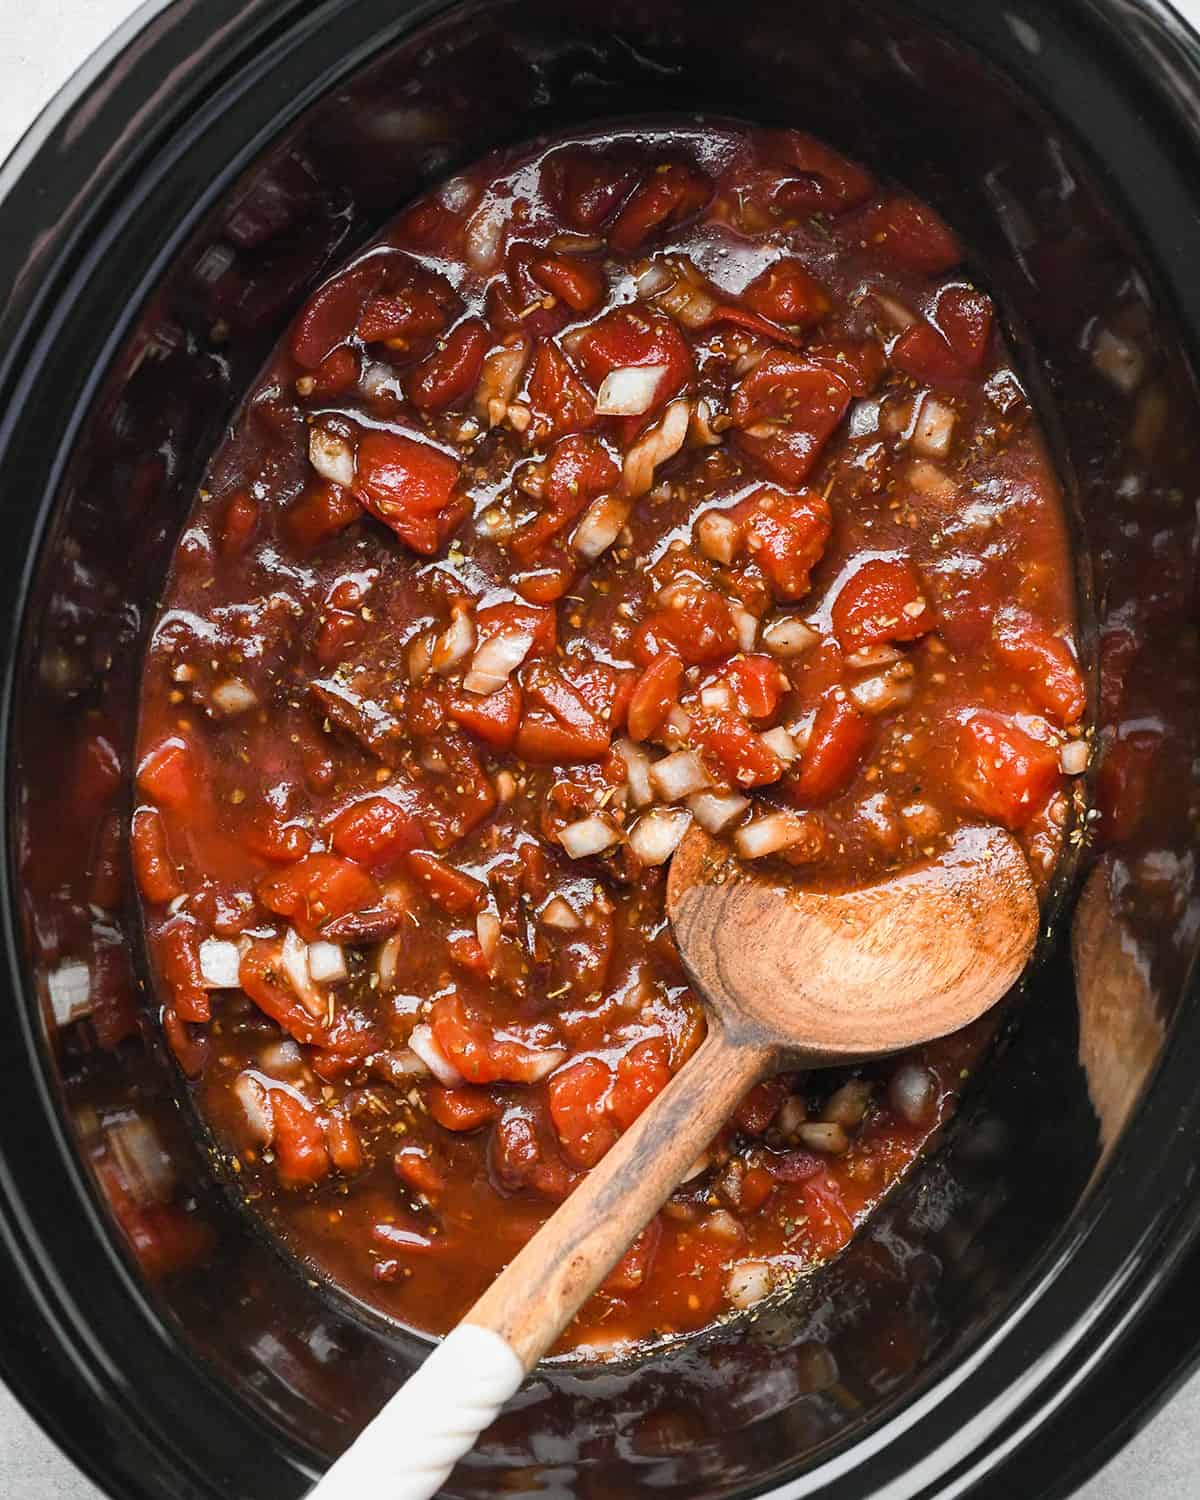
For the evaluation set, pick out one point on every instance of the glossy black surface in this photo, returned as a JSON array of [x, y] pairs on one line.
[[993, 1330]]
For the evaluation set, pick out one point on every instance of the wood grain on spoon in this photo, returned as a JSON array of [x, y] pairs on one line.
[[791, 978]]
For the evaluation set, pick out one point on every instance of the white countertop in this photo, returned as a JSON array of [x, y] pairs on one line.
[[41, 43]]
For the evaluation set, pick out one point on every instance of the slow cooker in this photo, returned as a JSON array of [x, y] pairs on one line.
[[1018, 1306]]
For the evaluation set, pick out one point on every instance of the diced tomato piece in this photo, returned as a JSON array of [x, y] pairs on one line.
[[1001, 771], [952, 343], [578, 283], [671, 194], [493, 719], [327, 318], [343, 1143], [835, 746], [757, 1186], [696, 626], [635, 336], [859, 362], [460, 797], [578, 469], [452, 371], [408, 317], [337, 372], [656, 693], [758, 684], [414, 1166], [883, 600], [462, 1108], [301, 1155], [558, 724], [316, 890], [785, 410], [910, 232], [829, 1223], [540, 622], [642, 1074], [558, 399], [467, 952], [179, 953], [168, 774], [260, 976], [760, 1105], [453, 890], [376, 831], [586, 186], [733, 751], [631, 1271], [1045, 661], [276, 839], [409, 486], [578, 1106], [786, 535], [474, 1048], [824, 181], [152, 864], [240, 520], [323, 511], [787, 292]]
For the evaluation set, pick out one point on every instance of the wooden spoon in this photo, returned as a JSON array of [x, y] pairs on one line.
[[792, 978]]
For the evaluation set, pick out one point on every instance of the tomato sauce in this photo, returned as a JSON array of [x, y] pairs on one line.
[[677, 473]]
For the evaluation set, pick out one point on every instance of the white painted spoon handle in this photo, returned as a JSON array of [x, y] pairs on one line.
[[406, 1452]]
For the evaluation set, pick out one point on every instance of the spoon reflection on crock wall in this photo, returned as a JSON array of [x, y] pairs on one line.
[[791, 978]]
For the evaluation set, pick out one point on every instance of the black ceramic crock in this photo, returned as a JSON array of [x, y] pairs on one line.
[[1025, 1300]]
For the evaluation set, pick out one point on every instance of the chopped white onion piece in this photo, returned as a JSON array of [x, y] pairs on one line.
[[232, 696], [256, 1106], [589, 836], [818, 1135], [927, 479], [561, 915], [484, 234], [873, 656], [748, 1282], [780, 743], [293, 960], [654, 278], [629, 392], [498, 382], [715, 811], [788, 636], [1119, 360], [767, 834], [679, 775], [746, 626], [389, 960], [600, 526], [690, 304], [220, 962], [719, 536], [421, 1041], [678, 723], [495, 661], [419, 655], [910, 1091], [656, 834], [881, 694], [145, 1166], [454, 644], [542, 1064], [327, 963], [331, 456], [847, 1106], [655, 447], [487, 933], [894, 312], [70, 988], [1073, 757], [404, 1061], [637, 771], [718, 696], [934, 429], [801, 729]]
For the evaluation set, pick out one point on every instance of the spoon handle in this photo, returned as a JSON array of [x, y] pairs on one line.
[[407, 1451]]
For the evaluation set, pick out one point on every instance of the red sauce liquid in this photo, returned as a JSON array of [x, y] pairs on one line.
[[694, 443]]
